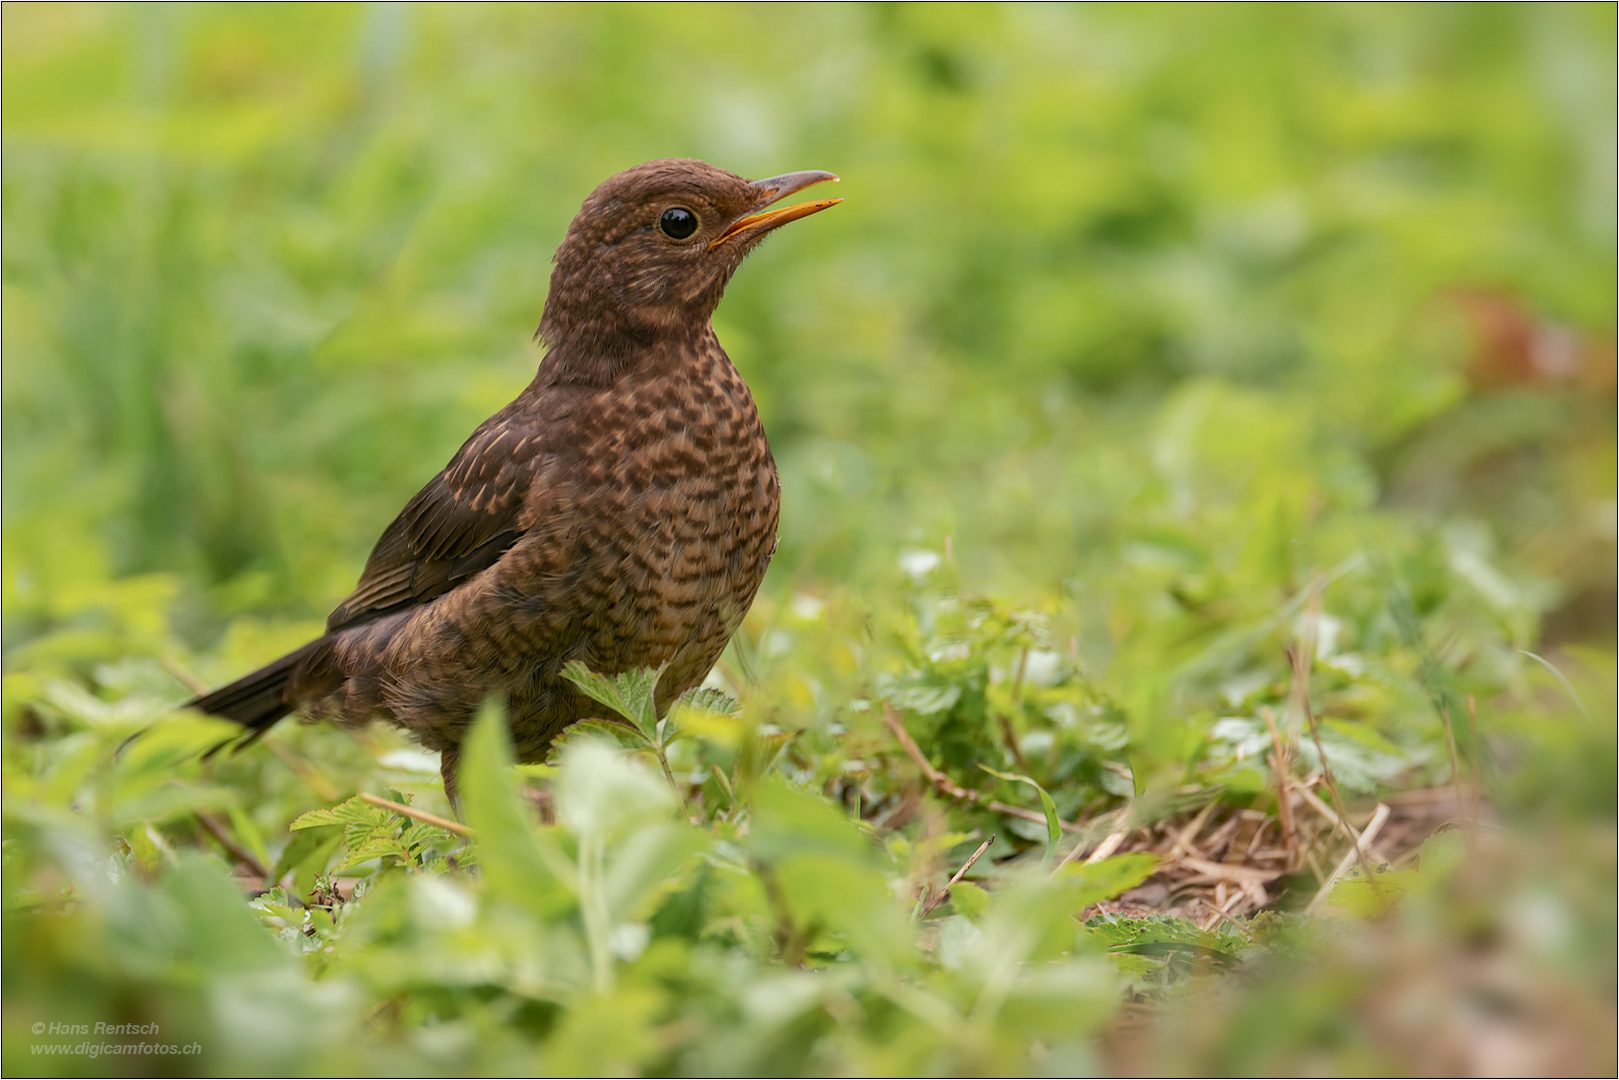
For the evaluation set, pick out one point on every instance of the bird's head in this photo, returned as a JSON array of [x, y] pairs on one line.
[[651, 251]]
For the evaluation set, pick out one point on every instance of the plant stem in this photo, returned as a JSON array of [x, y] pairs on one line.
[[668, 774], [593, 909]]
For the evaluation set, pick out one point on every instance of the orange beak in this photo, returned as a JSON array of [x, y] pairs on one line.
[[771, 190]]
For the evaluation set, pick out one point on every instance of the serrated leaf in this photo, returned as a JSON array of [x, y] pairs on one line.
[[373, 846], [630, 693], [711, 700], [705, 712], [616, 733], [350, 812], [1164, 935], [421, 833], [275, 905], [726, 729]]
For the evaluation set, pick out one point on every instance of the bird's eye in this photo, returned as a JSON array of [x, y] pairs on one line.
[[678, 223]]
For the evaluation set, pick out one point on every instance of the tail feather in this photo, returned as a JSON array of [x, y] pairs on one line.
[[258, 700]]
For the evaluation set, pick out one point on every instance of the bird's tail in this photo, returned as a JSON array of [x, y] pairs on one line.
[[258, 700]]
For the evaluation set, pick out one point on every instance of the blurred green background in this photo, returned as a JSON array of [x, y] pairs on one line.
[[1136, 317]]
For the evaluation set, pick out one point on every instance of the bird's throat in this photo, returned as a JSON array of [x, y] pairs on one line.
[[602, 359]]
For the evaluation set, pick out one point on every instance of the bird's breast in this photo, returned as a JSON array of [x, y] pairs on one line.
[[686, 522]]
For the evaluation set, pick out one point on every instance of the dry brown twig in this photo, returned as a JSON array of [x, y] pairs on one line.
[[1229, 872], [1220, 838], [420, 815], [1301, 657], [1108, 846], [947, 786], [238, 851], [1221, 913], [1301, 676], [1281, 769], [188, 678], [1478, 754], [306, 772], [1455, 769], [1183, 839], [1331, 817], [959, 874], [1373, 827]]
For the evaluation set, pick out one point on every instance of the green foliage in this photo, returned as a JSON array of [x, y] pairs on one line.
[[1374, 894], [1167, 947], [1047, 806], [1091, 883], [630, 695], [1147, 344], [372, 832]]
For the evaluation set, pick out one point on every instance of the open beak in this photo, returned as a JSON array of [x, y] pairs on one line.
[[773, 189]]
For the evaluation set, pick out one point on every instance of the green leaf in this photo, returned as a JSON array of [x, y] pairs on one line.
[[353, 811], [1060, 1001], [604, 794], [641, 869], [373, 846], [1053, 822], [307, 853], [771, 748], [925, 697], [969, 899], [630, 694], [710, 700], [1440, 855], [518, 864], [616, 733], [827, 871], [708, 714], [249, 834], [788, 822], [724, 782], [1370, 897], [1165, 936], [275, 905], [1090, 883]]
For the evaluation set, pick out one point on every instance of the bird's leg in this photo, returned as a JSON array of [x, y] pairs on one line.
[[449, 762]]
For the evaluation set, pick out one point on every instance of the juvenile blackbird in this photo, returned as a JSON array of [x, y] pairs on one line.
[[620, 512]]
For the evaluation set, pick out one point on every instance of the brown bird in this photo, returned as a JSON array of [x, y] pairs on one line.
[[620, 512]]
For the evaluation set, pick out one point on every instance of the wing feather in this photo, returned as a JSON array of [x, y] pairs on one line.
[[461, 523]]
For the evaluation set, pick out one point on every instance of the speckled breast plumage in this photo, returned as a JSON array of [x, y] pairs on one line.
[[649, 529]]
